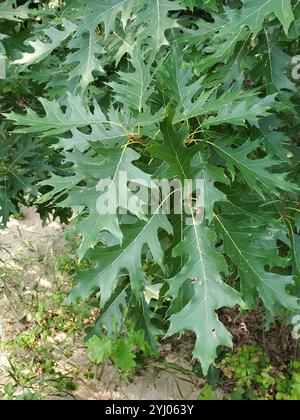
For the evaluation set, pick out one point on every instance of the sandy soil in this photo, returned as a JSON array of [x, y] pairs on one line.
[[28, 238]]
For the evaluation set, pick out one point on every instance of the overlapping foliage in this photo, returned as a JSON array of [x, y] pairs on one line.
[[162, 89]]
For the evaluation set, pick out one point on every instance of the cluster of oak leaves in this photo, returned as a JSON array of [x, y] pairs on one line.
[[194, 89]]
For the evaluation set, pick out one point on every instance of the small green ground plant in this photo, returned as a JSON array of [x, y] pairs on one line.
[[251, 376]]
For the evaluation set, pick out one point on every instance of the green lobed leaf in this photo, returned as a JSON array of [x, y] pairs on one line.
[[43, 49], [253, 249], [111, 261], [9, 12], [256, 172], [204, 267]]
